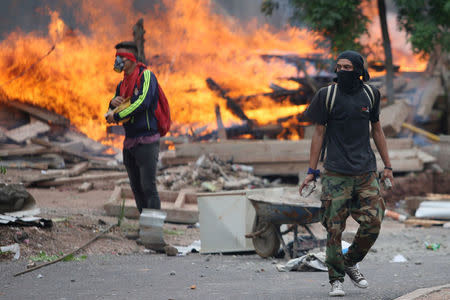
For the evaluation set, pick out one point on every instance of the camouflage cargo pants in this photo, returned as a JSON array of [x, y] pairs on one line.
[[358, 196]]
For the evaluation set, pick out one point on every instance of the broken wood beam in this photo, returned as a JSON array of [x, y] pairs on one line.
[[22, 133], [220, 128], [61, 150], [22, 164], [27, 150], [84, 178], [231, 104], [74, 171], [138, 35], [40, 113]]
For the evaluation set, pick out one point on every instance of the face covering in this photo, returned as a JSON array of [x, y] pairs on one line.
[[118, 64], [348, 81]]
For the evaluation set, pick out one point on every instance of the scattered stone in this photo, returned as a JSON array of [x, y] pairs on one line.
[[170, 250], [418, 263], [86, 186], [31, 264], [39, 276], [172, 273]]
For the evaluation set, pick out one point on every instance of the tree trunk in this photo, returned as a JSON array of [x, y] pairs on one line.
[[138, 35], [387, 52]]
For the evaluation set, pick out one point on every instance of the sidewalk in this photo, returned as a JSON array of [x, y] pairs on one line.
[[433, 293]]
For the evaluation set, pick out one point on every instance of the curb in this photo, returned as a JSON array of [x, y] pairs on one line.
[[424, 292]]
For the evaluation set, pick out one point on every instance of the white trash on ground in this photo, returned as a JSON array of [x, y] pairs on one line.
[[14, 248], [398, 259], [192, 248]]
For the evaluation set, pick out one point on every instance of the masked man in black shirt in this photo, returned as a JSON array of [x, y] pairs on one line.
[[343, 114]]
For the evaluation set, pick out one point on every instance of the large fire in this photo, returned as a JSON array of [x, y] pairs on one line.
[[185, 45]]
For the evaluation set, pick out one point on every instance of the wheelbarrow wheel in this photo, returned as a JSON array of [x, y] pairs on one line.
[[267, 243]]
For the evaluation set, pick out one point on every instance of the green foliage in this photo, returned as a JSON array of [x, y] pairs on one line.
[[267, 7], [340, 22], [2, 169], [121, 214], [42, 256], [426, 23], [173, 232]]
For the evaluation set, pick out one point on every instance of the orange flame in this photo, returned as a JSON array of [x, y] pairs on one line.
[[185, 45]]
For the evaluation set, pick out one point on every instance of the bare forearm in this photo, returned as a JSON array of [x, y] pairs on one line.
[[380, 143], [316, 146]]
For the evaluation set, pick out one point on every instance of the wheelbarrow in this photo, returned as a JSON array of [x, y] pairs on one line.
[[275, 208]]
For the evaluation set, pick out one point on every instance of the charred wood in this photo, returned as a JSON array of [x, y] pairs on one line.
[[231, 103], [138, 35]]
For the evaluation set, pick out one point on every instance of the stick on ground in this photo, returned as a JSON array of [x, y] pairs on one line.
[[71, 253]]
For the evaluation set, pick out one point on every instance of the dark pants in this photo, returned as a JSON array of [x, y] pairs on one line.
[[141, 162]]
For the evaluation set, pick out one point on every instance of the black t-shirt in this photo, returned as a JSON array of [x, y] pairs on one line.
[[348, 133]]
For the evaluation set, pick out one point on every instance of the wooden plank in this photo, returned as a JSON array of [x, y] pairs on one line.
[[21, 164], [394, 143], [40, 113], [78, 179], [424, 222], [74, 171], [282, 168], [262, 151], [44, 143], [27, 150], [90, 144], [164, 195], [393, 116], [168, 159], [188, 214], [249, 151], [59, 175], [22, 133], [412, 164], [437, 197], [179, 202]]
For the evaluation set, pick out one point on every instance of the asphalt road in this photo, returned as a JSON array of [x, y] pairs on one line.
[[155, 276]]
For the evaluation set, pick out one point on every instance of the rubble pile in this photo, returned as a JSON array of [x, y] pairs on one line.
[[209, 174]]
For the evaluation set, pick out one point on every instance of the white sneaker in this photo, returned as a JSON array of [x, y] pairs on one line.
[[337, 289], [356, 276]]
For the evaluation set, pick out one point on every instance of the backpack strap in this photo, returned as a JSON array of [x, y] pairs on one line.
[[331, 91], [369, 94]]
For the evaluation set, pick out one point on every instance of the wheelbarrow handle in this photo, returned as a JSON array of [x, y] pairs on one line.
[[257, 233]]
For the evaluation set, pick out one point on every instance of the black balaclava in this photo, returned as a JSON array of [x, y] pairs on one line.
[[349, 81]]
